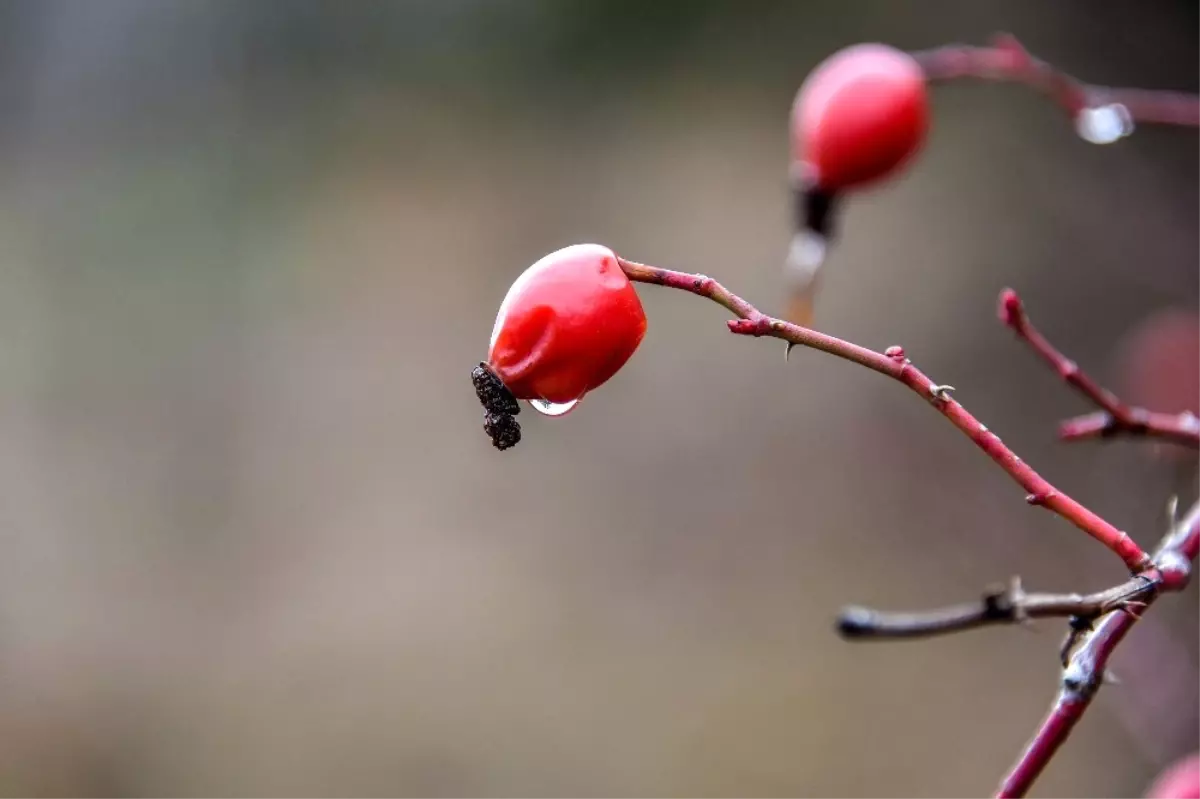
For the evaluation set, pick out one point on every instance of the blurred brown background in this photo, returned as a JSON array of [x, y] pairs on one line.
[[255, 542]]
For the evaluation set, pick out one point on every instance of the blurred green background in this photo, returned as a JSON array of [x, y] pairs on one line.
[[253, 540]]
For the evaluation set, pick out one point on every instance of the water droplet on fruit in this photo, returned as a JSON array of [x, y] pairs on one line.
[[547, 408], [1104, 124]]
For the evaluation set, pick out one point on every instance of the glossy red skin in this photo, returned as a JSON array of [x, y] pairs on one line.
[[1179, 781], [860, 116], [567, 324]]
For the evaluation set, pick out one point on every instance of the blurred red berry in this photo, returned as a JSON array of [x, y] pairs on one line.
[[567, 324], [1159, 363], [860, 115], [1181, 780]]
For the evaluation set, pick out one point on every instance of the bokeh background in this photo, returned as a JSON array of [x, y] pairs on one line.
[[253, 540]]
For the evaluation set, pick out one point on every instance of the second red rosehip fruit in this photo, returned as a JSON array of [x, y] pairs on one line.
[[567, 325], [859, 116], [1181, 780]]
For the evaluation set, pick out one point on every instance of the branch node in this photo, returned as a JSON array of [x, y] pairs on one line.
[[757, 326], [1078, 683], [1175, 570], [1007, 43]]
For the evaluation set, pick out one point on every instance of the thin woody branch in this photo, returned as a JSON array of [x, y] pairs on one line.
[[1099, 622], [1114, 416], [1086, 662], [1007, 605], [894, 364], [1007, 60]]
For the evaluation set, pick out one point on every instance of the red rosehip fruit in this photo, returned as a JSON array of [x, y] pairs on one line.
[[1181, 780], [568, 323], [859, 117]]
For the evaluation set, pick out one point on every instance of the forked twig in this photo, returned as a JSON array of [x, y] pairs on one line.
[[1114, 416], [1084, 672], [1098, 621]]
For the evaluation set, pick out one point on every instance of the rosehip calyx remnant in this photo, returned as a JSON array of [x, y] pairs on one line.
[[499, 408], [567, 325]]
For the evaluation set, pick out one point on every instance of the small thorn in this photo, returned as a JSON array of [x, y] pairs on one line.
[[1173, 509], [787, 354], [941, 393], [1040, 498], [1110, 678], [1133, 607]]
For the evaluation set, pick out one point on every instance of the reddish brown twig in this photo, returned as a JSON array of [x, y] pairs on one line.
[[1007, 60], [1114, 611], [1084, 671], [895, 365], [1114, 417], [1005, 605]]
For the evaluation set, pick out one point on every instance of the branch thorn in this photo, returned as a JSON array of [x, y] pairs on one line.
[[941, 393]]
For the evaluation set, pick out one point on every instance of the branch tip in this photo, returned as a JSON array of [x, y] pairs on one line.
[[855, 622], [1010, 309]]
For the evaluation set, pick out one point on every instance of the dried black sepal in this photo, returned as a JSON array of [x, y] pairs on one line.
[[504, 430], [493, 395], [499, 406], [815, 209]]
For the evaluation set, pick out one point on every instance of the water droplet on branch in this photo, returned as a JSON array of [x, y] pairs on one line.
[[1104, 124]]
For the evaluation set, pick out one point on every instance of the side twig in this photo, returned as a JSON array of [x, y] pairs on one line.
[[894, 364], [1007, 60], [1114, 416], [1006, 605]]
